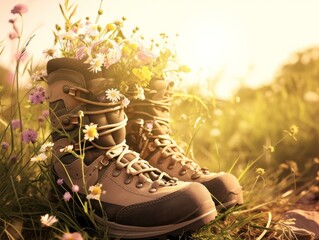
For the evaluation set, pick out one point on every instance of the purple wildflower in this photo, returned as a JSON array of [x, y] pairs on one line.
[[59, 181], [67, 196], [38, 95], [4, 145], [28, 136], [16, 124], [19, 9]]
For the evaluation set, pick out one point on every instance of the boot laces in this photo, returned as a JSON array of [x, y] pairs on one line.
[[138, 167], [170, 149], [134, 167], [168, 146]]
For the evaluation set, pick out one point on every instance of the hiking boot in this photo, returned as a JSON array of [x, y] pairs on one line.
[[139, 200], [148, 133]]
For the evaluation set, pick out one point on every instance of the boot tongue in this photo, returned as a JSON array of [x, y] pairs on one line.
[[157, 128], [157, 89], [98, 86]]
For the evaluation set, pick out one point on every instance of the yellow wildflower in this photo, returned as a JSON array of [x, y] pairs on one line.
[[184, 68], [143, 73], [133, 46], [293, 130], [270, 148], [110, 27], [260, 171]]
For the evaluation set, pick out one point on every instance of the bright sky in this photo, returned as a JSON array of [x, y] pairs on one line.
[[247, 39]]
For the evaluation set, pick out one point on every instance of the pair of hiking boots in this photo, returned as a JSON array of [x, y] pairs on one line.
[[151, 188]]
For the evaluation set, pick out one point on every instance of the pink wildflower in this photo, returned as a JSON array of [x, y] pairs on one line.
[[125, 102], [81, 52], [113, 55], [72, 236], [4, 145], [16, 124], [38, 95], [59, 181], [75, 188], [67, 196], [28, 136], [13, 35], [150, 125], [19, 9], [145, 55]]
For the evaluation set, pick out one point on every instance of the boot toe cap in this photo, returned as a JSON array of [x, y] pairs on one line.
[[225, 189], [190, 202]]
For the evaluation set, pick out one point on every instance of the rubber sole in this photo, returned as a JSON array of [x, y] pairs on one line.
[[134, 232]]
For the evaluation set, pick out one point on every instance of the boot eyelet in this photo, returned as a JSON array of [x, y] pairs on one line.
[[128, 180], [139, 185], [160, 161], [66, 121], [195, 176], [153, 190], [116, 173], [170, 167], [66, 89], [182, 173]]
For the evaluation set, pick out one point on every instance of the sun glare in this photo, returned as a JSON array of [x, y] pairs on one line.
[[208, 51], [208, 48]]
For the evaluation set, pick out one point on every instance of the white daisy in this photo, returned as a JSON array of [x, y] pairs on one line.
[[39, 158], [90, 132], [92, 30], [49, 53], [140, 93], [69, 35], [46, 147], [48, 220], [68, 148], [95, 192], [113, 95], [38, 75], [97, 63]]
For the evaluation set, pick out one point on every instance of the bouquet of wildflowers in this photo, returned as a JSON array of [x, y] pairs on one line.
[[132, 62]]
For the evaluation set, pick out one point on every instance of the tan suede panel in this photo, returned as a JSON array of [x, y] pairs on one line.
[[60, 79], [126, 194]]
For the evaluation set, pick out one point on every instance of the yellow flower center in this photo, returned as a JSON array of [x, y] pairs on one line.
[[91, 132], [96, 190]]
